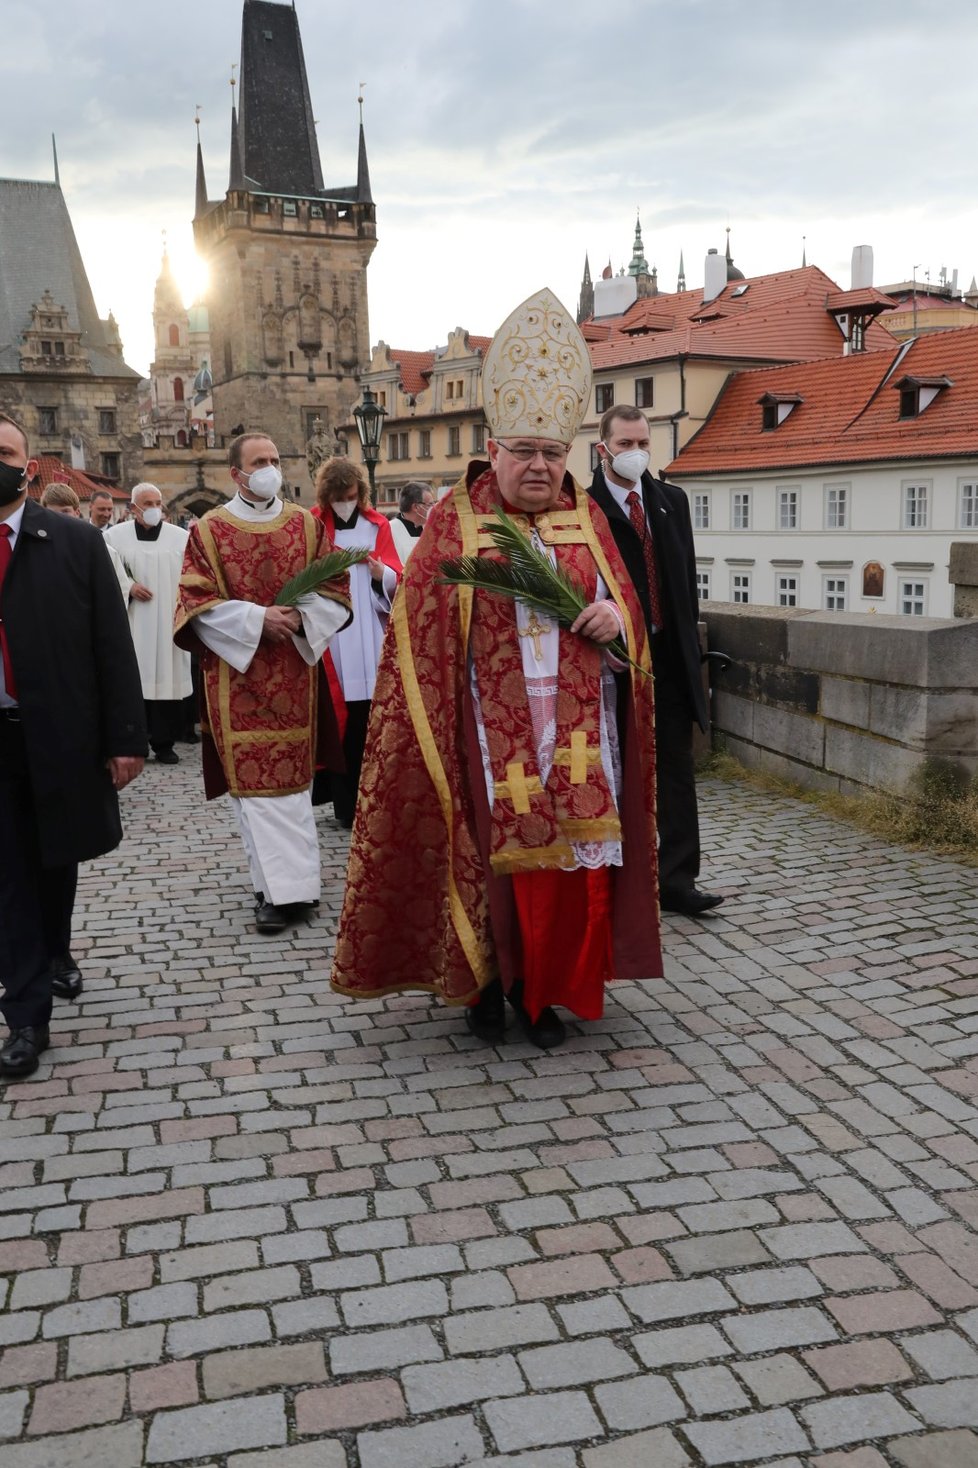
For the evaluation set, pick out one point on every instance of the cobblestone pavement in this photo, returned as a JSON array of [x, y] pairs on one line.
[[245, 1223]]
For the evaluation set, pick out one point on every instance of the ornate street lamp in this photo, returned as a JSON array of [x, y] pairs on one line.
[[370, 417]]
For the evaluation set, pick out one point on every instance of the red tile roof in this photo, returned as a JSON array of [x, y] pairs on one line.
[[849, 411], [50, 470], [416, 366], [775, 318]]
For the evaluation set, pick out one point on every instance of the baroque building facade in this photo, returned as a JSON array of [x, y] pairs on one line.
[[177, 409], [287, 257]]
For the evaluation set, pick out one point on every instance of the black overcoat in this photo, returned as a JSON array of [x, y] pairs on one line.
[[667, 512], [77, 681]]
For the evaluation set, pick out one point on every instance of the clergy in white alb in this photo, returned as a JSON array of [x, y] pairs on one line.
[[152, 552]]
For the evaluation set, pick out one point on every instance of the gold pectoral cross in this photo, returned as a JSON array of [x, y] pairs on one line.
[[535, 629]]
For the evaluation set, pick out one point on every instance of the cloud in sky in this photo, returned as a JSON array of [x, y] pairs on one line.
[[507, 140]]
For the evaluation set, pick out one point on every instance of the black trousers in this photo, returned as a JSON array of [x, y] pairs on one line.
[[164, 721], [344, 787], [36, 902], [677, 813]]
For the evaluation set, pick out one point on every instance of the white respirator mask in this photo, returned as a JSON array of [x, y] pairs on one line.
[[152, 517], [265, 483], [345, 509], [630, 465]]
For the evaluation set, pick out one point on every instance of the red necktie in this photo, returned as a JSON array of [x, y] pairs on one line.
[[6, 552], [636, 513]]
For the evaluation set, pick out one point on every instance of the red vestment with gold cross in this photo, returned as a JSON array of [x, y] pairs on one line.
[[433, 898], [260, 728]]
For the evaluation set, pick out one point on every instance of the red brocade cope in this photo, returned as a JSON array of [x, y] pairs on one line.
[[429, 900], [262, 722]]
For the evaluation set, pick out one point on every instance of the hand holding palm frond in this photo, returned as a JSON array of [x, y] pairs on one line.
[[326, 568], [527, 575]]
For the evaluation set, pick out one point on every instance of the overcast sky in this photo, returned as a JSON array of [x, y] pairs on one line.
[[507, 139]]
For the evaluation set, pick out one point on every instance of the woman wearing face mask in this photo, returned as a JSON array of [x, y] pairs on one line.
[[352, 657]]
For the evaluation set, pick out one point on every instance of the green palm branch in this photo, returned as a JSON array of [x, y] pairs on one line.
[[317, 573], [527, 575]]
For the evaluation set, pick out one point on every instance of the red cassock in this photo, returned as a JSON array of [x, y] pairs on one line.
[[445, 893]]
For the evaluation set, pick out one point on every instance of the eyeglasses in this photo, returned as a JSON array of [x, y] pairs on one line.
[[525, 455]]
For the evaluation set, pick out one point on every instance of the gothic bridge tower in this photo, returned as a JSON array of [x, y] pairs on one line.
[[287, 256]]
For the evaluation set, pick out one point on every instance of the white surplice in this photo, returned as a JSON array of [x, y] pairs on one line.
[[356, 651], [279, 832], [164, 668]]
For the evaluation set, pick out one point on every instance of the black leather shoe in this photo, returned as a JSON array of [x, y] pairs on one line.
[[268, 917], [66, 979], [547, 1031], [693, 902], [19, 1056], [486, 1018], [167, 757]]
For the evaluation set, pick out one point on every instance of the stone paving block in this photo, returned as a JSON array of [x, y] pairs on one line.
[[658, 1447], [232, 1328], [322, 1454], [670, 1301], [62, 1406], [117, 1446], [858, 1363], [870, 1415], [13, 1406], [954, 1449], [25, 1365], [172, 1385], [235, 1373], [603, 1312], [223, 1427], [332, 1408], [772, 1286], [575, 1364], [385, 1350], [390, 1304], [776, 1380], [489, 1330], [433, 1388], [942, 1354], [679, 1344], [711, 1389], [441, 1444], [518, 1423], [769, 1330], [741, 1439], [252, 1288], [808, 1240], [888, 1311], [164, 1302], [952, 1404], [139, 1346], [644, 1401], [716, 1252]]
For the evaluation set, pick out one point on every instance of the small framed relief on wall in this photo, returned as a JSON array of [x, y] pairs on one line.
[[873, 579]]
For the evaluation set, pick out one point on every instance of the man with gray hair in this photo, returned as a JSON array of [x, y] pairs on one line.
[[153, 554], [406, 527]]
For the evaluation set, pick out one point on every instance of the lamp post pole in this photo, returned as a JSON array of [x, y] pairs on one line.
[[369, 417]]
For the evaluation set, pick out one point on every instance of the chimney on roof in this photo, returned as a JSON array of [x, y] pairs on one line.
[[862, 267], [714, 275]]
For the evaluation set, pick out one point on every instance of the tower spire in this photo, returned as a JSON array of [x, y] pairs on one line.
[[639, 265], [235, 171], [681, 282], [363, 173], [804, 261], [54, 150], [200, 195]]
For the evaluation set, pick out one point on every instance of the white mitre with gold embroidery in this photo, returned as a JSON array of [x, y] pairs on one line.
[[536, 380]]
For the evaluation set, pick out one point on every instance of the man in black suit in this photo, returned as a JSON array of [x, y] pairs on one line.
[[72, 734], [651, 525]]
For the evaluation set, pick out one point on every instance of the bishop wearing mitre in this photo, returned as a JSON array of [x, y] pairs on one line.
[[508, 782]]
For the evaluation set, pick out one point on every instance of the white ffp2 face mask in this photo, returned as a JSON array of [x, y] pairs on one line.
[[152, 517], [344, 509], [630, 465], [265, 483]]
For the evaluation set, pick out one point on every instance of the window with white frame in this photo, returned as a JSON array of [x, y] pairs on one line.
[[968, 506], [912, 598], [740, 510], [787, 509], [786, 587], [703, 584], [701, 511], [835, 592], [836, 506], [915, 506], [740, 586]]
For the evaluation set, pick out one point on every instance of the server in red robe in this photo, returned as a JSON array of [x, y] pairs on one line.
[[503, 786]]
